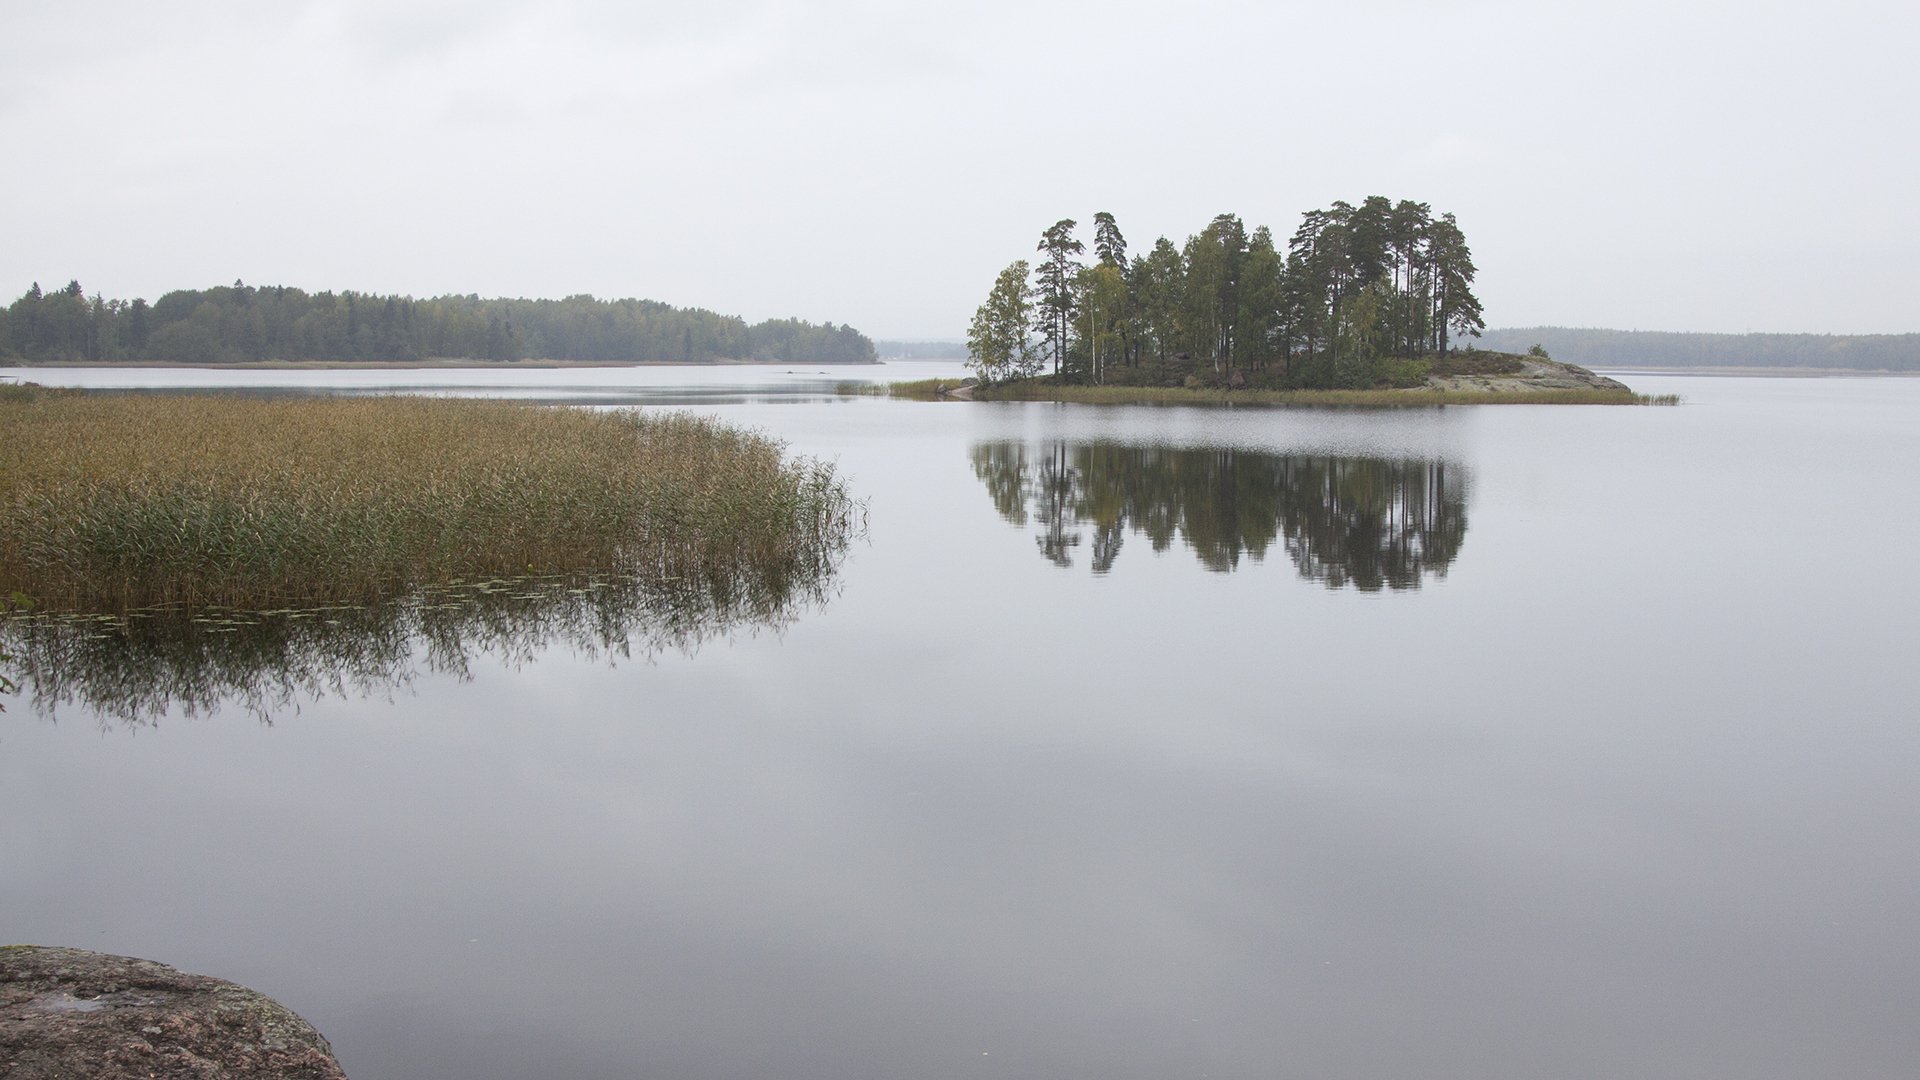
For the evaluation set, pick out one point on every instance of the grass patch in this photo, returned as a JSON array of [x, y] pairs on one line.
[[923, 389], [112, 503], [1476, 363], [1030, 390], [14, 393], [914, 390]]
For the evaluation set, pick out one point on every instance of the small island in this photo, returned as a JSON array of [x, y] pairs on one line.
[[1466, 377], [1366, 304]]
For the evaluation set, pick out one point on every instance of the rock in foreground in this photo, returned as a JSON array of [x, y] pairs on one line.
[[71, 1013]]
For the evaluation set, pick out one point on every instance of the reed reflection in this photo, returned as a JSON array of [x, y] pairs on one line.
[[1367, 522], [137, 668]]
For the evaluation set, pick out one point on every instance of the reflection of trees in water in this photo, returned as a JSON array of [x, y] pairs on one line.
[[1368, 522], [139, 667]]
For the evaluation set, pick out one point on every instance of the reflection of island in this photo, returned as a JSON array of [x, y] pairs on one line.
[[1368, 522], [138, 668]]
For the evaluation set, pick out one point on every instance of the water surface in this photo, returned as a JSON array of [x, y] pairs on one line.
[[1463, 742]]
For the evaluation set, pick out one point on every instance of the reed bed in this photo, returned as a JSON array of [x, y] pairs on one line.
[[911, 391], [1168, 395], [112, 503], [923, 389], [914, 390]]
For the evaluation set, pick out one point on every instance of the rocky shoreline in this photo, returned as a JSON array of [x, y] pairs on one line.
[[72, 1013], [1536, 375], [1486, 379]]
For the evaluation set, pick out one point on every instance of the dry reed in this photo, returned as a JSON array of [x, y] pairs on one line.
[[116, 502]]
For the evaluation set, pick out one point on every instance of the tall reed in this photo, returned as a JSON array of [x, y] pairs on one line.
[[114, 502]]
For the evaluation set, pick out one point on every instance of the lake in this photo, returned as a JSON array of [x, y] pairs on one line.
[[1128, 742]]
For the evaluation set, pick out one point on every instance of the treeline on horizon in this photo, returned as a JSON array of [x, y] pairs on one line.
[[239, 323], [1657, 348], [1358, 296]]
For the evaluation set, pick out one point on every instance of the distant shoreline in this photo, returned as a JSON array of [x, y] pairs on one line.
[[1774, 372], [1659, 350], [409, 365]]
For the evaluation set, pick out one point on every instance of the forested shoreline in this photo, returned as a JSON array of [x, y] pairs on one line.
[[1360, 296], [238, 323], [1652, 348]]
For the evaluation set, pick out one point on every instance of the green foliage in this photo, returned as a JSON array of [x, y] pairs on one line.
[[1000, 338], [1108, 245], [1405, 372], [1053, 280], [1364, 337], [1100, 299], [1158, 288], [1213, 263], [1357, 290], [19, 393], [1412, 274], [1261, 297], [243, 324], [1476, 362], [1536, 350]]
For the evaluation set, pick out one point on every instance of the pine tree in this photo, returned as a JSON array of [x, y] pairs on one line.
[[1053, 280]]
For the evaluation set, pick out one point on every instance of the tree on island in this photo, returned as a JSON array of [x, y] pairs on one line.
[[1361, 296], [1000, 340], [1053, 285]]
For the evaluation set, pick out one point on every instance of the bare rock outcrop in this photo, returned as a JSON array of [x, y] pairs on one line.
[[71, 1013], [1535, 375]]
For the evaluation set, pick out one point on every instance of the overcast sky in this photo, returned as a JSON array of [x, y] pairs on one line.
[[1670, 165]]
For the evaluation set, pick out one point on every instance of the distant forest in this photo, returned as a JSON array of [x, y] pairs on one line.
[[239, 323], [921, 350], [1630, 348]]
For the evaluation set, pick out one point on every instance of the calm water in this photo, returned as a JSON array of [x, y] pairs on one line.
[[1496, 742]]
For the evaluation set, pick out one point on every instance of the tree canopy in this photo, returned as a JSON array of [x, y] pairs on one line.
[[1354, 297], [239, 323]]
